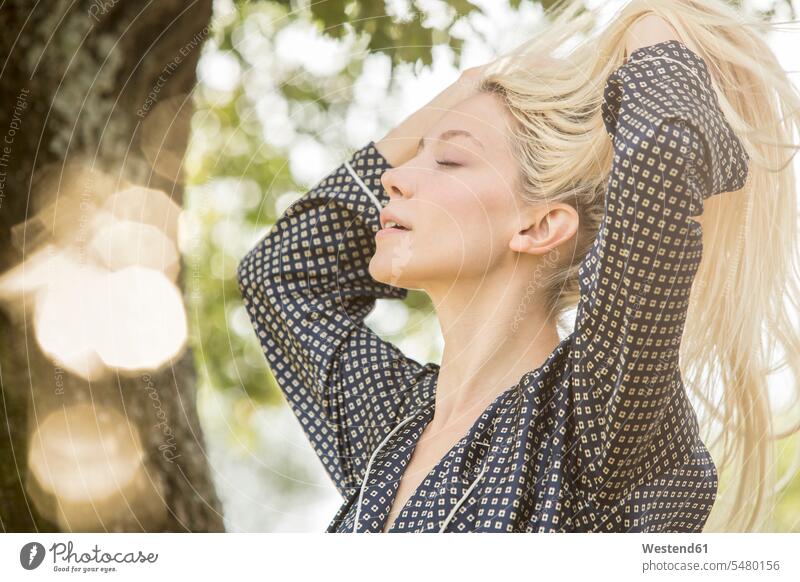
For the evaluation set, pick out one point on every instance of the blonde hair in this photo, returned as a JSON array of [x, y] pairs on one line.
[[748, 275]]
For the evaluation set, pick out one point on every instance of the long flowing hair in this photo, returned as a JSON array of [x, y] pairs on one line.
[[746, 289]]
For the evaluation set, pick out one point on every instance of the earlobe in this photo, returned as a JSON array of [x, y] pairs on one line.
[[518, 243]]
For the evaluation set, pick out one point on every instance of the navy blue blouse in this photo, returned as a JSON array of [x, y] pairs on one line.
[[601, 436]]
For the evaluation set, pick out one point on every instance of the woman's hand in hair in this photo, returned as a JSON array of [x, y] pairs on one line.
[[400, 144], [650, 29], [469, 81]]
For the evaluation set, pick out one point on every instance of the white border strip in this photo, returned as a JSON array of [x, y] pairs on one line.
[[652, 557]]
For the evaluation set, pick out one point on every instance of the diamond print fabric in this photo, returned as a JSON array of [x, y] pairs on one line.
[[601, 437]]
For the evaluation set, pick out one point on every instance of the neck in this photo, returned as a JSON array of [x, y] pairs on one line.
[[495, 331]]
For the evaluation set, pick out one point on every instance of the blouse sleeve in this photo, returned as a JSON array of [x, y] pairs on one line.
[[307, 291], [673, 149]]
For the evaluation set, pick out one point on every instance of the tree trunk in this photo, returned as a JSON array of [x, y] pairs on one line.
[[79, 83]]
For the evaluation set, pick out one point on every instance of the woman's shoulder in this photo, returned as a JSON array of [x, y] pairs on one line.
[[551, 373]]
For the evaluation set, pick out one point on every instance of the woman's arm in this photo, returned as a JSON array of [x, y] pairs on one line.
[[307, 290], [673, 149]]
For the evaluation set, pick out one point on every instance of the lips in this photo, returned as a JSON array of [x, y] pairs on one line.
[[391, 231], [391, 221], [392, 226]]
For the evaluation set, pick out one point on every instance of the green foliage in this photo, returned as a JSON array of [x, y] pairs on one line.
[[406, 41], [787, 505]]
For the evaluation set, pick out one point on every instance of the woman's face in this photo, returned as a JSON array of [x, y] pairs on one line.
[[457, 197]]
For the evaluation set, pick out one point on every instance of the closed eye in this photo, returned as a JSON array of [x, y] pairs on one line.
[[446, 163]]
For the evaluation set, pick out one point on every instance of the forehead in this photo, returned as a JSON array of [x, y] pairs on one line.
[[483, 115]]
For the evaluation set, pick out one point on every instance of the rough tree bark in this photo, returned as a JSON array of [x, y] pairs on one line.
[[74, 78]]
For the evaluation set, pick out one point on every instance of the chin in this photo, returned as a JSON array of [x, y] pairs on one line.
[[391, 270]]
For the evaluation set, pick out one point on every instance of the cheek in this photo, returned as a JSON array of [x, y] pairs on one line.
[[465, 231], [456, 234]]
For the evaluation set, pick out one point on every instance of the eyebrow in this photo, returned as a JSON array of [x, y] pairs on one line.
[[448, 134]]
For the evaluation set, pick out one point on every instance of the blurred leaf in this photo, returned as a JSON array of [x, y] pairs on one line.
[[462, 7], [331, 14]]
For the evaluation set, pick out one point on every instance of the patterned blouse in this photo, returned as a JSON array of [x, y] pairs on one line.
[[601, 436]]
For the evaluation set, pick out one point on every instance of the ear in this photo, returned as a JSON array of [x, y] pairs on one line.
[[545, 228]]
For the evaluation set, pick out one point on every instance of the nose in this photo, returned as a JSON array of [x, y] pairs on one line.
[[395, 184]]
